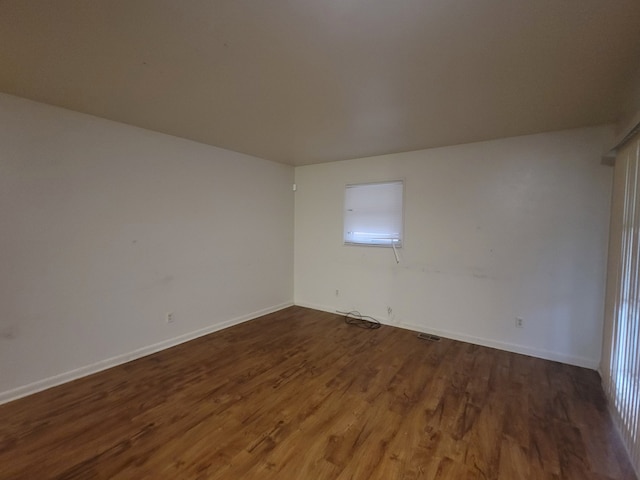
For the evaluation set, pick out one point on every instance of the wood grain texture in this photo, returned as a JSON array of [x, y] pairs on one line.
[[300, 395]]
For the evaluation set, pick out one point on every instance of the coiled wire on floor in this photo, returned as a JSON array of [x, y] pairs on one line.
[[357, 319]]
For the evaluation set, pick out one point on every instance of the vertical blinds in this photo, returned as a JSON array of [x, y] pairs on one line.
[[621, 363]]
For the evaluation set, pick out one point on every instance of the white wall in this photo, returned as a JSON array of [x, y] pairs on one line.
[[493, 230], [106, 227]]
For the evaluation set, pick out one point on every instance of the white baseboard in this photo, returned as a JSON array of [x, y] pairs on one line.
[[509, 347], [314, 306], [65, 377], [485, 342]]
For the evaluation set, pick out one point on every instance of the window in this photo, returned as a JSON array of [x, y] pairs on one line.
[[373, 214]]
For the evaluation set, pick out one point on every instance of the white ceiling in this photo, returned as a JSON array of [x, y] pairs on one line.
[[309, 81]]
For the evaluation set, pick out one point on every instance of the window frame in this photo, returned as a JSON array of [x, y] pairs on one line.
[[391, 244]]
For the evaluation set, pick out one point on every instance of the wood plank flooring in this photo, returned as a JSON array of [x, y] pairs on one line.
[[300, 395]]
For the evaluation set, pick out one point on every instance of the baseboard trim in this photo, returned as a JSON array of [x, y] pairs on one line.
[[315, 306], [77, 373], [485, 342], [509, 347]]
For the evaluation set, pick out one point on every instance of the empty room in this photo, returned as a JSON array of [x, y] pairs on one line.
[[319, 240]]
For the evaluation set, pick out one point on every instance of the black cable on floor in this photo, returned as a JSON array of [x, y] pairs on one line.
[[363, 321]]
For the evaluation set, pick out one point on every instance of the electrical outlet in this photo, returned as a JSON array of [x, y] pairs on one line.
[[170, 318], [519, 322]]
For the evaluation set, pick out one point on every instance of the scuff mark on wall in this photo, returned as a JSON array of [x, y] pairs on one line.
[[9, 333]]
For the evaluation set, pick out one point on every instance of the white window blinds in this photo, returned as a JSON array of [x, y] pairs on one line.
[[373, 214]]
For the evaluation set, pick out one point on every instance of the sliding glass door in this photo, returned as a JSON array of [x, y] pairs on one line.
[[621, 355]]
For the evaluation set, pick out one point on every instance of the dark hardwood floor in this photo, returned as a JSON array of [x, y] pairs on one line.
[[300, 395]]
